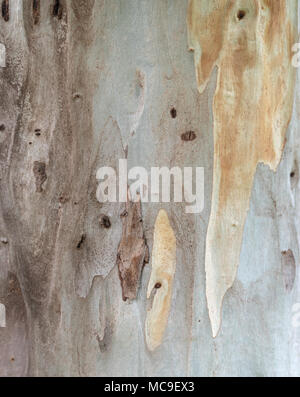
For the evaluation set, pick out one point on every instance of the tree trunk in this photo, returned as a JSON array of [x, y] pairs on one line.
[[126, 289]]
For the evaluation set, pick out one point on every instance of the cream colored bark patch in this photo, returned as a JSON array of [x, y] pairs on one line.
[[162, 274], [250, 41]]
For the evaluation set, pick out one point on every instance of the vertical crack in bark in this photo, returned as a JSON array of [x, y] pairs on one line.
[[132, 251], [36, 6], [57, 9], [5, 10], [251, 43], [161, 280]]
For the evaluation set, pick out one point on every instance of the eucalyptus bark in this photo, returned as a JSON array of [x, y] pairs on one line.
[[84, 84]]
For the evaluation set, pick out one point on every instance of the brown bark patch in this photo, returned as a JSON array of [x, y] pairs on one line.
[[132, 251], [105, 221], [188, 136]]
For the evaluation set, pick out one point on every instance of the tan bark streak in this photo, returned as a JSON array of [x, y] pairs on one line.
[[250, 41]]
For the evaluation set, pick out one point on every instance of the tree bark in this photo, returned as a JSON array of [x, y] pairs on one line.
[[84, 84]]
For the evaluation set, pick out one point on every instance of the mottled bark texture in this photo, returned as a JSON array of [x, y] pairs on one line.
[[84, 84]]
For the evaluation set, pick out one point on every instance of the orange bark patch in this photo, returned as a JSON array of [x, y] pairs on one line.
[[250, 41]]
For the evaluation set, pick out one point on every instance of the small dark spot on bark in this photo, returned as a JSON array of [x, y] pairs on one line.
[[5, 10], [105, 342], [81, 241], [124, 214], [37, 132], [63, 199], [36, 11], [188, 136], [39, 170], [241, 14], [76, 97], [173, 113], [12, 359], [2, 127], [157, 285], [294, 175], [57, 9], [105, 221]]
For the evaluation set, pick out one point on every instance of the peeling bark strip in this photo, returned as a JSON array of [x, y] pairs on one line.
[[132, 251], [162, 274], [251, 42]]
